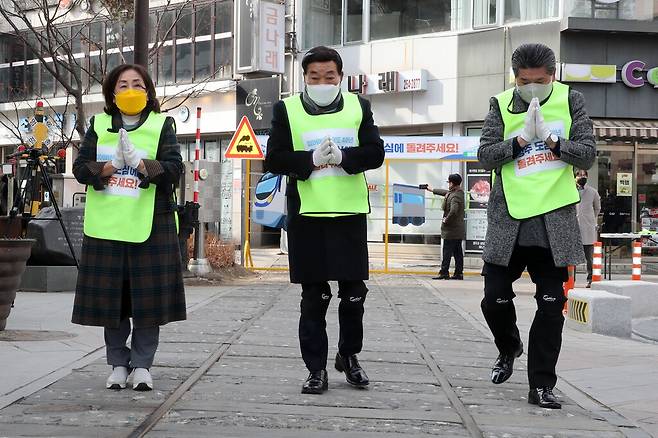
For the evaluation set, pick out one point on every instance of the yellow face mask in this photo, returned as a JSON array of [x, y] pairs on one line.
[[131, 102]]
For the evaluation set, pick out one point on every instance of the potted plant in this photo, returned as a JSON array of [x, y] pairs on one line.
[[14, 252]]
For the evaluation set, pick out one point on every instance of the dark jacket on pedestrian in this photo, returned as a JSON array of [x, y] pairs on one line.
[[141, 280], [323, 248], [558, 229], [453, 226]]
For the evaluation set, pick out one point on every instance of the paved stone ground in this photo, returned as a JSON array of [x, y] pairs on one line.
[[429, 368]]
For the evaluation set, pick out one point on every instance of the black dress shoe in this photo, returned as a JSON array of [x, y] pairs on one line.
[[441, 277], [544, 398], [354, 374], [504, 366], [457, 277], [316, 383]]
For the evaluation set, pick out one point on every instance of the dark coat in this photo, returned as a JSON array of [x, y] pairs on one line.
[[452, 226], [142, 280], [561, 225], [323, 248]]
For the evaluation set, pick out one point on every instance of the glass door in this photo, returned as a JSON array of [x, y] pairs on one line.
[[614, 172], [647, 193]]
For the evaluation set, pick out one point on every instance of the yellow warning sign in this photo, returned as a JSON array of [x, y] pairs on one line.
[[244, 143]]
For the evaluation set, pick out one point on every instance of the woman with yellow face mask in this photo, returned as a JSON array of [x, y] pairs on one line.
[[130, 266]]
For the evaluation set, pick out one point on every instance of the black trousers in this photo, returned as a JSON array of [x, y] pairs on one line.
[[589, 255], [452, 248], [545, 338], [313, 326]]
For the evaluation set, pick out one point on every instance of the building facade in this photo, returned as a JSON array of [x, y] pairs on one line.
[[428, 68]]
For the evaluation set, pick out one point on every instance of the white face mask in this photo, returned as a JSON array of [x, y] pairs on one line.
[[322, 94], [540, 91]]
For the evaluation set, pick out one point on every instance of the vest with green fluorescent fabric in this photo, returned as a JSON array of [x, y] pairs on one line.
[[123, 211], [329, 191], [537, 181]]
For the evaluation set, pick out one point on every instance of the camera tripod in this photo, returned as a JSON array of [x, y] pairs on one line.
[[30, 180]]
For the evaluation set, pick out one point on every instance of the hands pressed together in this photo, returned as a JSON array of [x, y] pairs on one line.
[[535, 126], [327, 153], [126, 153]]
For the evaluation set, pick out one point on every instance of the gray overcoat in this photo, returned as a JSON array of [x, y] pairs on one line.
[[587, 210], [562, 228]]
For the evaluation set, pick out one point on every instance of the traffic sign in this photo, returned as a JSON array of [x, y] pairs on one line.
[[244, 143]]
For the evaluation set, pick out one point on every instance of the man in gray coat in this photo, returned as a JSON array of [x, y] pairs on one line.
[[453, 230], [587, 211], [532, 137]]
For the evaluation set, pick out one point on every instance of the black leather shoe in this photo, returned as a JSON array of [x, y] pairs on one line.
[[457, 277], [544, 398], [441, 277], [354, 374], [504, 366], [316, 383]]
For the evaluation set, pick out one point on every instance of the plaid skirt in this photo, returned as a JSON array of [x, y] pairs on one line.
[[140, 280]]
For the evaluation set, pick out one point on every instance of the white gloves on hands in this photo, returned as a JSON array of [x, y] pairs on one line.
[[322, 154], [529, 130], [130, 156], [540, 126], [336, 154], [118, 161]]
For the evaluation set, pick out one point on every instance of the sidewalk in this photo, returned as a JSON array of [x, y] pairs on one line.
[[426, 351]]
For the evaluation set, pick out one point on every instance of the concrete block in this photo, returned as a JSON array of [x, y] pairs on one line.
[[601, 312], [49, 279], [643, 295]]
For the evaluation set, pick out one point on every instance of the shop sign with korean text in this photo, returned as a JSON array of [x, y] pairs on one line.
[[387, 82]]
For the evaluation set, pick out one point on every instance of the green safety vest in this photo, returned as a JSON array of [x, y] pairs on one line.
[[537, 181], [123, 211], [329, 191]]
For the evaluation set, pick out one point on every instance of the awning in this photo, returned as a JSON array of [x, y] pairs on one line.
[[626, 129]]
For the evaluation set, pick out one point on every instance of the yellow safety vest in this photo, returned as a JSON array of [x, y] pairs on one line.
[[537, 181], [123, 211], [329, 191]]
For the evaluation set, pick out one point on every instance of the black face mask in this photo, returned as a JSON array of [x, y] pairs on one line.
[[582, 182]]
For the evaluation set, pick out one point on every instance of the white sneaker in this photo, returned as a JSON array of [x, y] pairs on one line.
[[141, 379], [117, 379]]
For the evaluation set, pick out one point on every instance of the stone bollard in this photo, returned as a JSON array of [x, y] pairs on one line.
[[601, 312]]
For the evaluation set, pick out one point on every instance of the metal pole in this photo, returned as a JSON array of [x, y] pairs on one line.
[[141, 33], [199, 265]]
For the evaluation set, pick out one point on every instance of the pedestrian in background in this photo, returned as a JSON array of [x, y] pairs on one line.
[[532, 137], [587, 211], [453, 229], [131, 263], [324, 141]]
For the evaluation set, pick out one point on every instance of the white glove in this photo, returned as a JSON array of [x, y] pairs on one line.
[[540, 126], [130, 156], [336, 154], [322, 154], [529, 132], [118, 161]]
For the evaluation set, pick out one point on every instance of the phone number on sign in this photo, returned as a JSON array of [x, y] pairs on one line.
[[411, 84]]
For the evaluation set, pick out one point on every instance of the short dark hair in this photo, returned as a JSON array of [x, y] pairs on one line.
[[322, 54], [455, 178], [110, 83], [533, 55]]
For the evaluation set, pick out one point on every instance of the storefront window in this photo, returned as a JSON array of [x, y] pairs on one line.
[[647, 193], [223, 16], [397, 18], [322, 22], [528, 10], [484, 13], [625, 10], [614, 169], [354, 25], [47, 83]]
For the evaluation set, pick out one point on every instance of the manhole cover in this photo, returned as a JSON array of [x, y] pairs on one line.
[[33, 335]]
